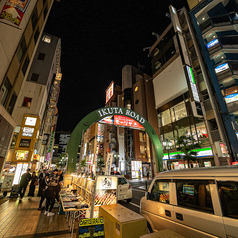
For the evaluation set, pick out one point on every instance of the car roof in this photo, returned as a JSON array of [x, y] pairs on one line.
[[220, 171]]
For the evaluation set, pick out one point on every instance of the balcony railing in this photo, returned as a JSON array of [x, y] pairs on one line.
[[222, 20]]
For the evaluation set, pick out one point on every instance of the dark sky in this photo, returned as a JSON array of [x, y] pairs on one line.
[[98, 38]]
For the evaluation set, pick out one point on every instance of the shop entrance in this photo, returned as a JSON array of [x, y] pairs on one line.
[[87, 121]]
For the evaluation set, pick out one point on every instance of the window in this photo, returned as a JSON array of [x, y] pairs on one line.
[[25, 65], [12, 103], [34, 77], [41, 56], [160, 191], [122, 181], [14, 138], [36, 35], [179, 111], [21, 49], [228, 191], [194, 194], [165, 117], [46, 39], [34, 18], [27, 102], [5, 91]]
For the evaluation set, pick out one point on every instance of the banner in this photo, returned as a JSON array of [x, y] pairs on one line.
[[91, 227], [14, 10], [108, 164]]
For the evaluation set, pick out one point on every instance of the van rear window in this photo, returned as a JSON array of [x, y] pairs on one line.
[[194, 194], [228, 191]]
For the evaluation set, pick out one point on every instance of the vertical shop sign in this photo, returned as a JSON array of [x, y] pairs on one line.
[[51, 142], [109, 164], [14, 10]]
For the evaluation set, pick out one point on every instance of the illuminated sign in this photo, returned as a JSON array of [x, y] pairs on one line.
[[231, 98], [192, 84], [30, 121], [126, 121], [115, 110], [109, 91], [27, 131], [204, 152], [25, 143], [122, 121], [21, 155], [221, 67], [212, 43]]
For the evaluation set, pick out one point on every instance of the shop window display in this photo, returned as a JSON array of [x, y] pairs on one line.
[[201, 131]]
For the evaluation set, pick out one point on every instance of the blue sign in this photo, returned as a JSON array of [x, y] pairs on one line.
[[212, 43], [221, 67], [231, 98]]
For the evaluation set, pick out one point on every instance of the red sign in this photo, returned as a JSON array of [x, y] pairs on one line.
[[109, 91], [126, 121], [14, 10]]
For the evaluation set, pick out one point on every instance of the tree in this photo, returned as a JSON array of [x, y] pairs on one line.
[[186, 144], [100, 164], [83, 163]]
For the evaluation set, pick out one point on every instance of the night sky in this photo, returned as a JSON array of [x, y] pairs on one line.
[[98, 39]]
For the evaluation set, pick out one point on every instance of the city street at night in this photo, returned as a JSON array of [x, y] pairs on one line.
[[119, 119]]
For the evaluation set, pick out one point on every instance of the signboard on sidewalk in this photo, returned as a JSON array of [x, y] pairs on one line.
[[109, 164], [92, 227], [7, 183]]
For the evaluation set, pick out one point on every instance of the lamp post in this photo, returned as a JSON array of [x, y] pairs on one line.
[[167, 146]]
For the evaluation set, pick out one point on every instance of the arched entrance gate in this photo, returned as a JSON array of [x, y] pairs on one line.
[[86, 122]]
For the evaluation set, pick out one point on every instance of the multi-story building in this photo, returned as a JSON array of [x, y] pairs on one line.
[[215, 23], [35, 111], [20, 27], [177, 100]]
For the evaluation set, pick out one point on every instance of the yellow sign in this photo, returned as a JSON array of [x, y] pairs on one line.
[[91, 221]]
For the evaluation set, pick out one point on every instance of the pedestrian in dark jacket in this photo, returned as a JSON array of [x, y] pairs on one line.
[[34, 182], [42, 184], [25, 178], [52, 193]]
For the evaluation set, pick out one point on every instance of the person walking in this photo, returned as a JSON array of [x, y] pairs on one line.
[[42, 184], [34, 182], [25, 178], [52, 193]]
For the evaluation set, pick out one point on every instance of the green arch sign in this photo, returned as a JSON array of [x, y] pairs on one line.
[[87, 121]]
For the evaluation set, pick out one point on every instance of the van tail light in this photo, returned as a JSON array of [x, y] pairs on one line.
[[129, 186]]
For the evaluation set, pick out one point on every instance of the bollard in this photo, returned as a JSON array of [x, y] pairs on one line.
[[146, 185]]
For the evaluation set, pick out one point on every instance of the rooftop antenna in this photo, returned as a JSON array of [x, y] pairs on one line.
[[147, 48], [168, 15], [155, 34]]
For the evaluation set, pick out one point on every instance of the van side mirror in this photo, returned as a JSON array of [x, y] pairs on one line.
[[148, 195]]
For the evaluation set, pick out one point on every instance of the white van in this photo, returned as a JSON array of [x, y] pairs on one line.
[[197, 203], [124, 189]]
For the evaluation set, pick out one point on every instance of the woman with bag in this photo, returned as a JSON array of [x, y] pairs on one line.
[[34, 182]]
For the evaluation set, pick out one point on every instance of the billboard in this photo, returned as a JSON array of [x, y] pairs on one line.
[[110, 91], [122, 121], [14, 10]]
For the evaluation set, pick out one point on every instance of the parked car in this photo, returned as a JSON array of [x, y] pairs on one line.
[[199, 202], [124, 189]]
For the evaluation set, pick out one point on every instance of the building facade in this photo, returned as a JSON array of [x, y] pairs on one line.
[[19, 38], [178, 102], [215, 23]]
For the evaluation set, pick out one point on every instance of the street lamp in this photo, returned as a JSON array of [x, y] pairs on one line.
[[167, 146]]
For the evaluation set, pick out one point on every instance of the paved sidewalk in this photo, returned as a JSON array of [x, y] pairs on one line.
[[23, 220]]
